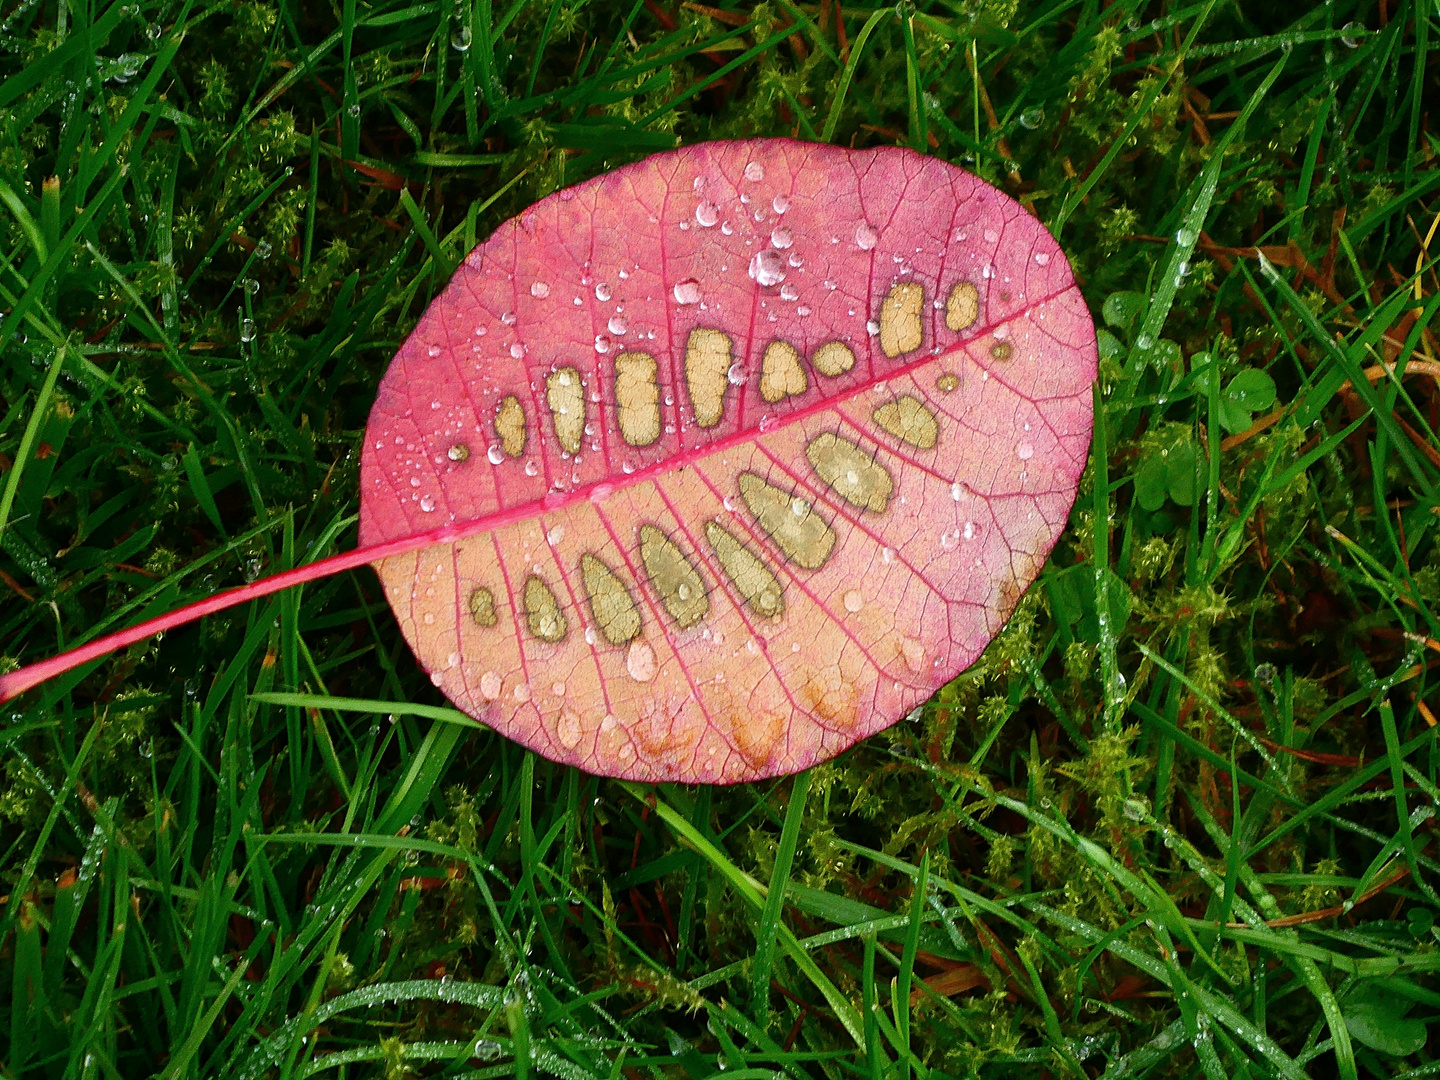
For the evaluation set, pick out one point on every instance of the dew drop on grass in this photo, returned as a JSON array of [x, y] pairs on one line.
[[1032, 118], [460, 39]]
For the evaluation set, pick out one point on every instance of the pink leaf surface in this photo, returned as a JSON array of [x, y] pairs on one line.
[[736, 455]]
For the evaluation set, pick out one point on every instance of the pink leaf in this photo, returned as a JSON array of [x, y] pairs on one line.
[[740, 452], [707, 468]]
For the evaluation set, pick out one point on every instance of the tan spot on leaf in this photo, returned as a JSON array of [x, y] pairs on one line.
[[908, 420], [834, 358], [679, 584], [565, 394], [707, 374], [610, 602], [510, 426], [832, 699], [947, 383], [757, 735], [637, 398], [791, 521], [852, 473], [963, 307], [1001, 350], [482, 607], [780, 372], [900, 327], [747, 572], [542, 614]]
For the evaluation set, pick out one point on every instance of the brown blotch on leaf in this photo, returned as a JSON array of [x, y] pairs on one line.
[[747, 572], [510, 426], [963, 307], [908, 420], [610, 601], [833, 359], [565, 394], [1001, 350], [757, 736], [781, 374], [707, 374], [637, 398], [803, 535], [679, 584], [851, 472], [482, 607], [542, 613], [900, 326]]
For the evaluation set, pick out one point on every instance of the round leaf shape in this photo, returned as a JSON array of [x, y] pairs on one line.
[[732, 456]]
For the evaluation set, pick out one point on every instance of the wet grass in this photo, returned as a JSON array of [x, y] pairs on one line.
[[1176, 822]]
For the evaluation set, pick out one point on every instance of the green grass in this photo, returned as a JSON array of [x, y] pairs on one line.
[[1176, 822]]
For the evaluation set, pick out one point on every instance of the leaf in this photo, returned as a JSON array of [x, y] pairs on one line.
[[707, 468], [769, 438], [1376, 1016], [1250, 391], [1152, 482]]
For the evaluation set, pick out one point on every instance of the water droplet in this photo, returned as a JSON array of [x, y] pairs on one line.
[[458, 452], [737, 374], [522, 692], [460, 39], [727, 228], [640, 663], [532, 469], [865, 236], [1025, 451], [767, 268], [789, 292], [950, 539], [602, 343], [854, 601], [991, 236], [508, 318], [427, 503], [799, 507], [540, 290], [618, 325], [517, 350], [558, 689], [263, 249], [353, 110], [683, 591], [602, 292], [1186, 237], [781, 237], [707, 214], [555, 535], [247, 330], [1042, 258], [755, 171], [1350, 35], [687, 292], [495, 454], [872, 328]]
